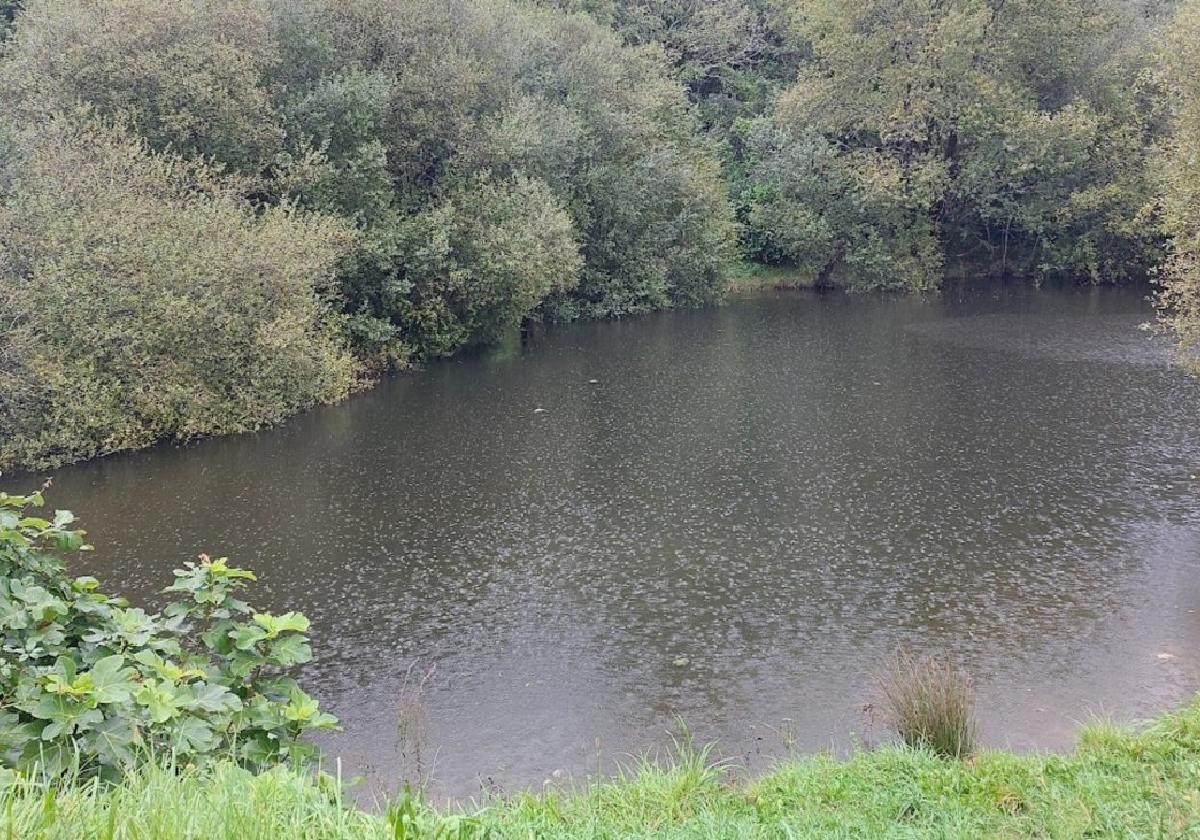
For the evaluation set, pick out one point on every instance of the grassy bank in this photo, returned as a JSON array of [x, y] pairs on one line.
[[1117, 783], [747, 277]]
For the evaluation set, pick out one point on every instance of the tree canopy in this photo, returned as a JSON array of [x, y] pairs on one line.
[[1180, 174], [345, 186]]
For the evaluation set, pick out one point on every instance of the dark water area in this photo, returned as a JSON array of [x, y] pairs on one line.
[[781, 490]]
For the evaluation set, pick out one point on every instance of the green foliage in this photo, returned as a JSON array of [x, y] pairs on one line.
[[1180, 298], [833, 216], [477, 108], [1004, 133], [389, 113], [89, 684], [188, 76], [731, 55], [1117, 783], [143, 298], [346, 185], [657, 236], [930, 704], [503, 248]]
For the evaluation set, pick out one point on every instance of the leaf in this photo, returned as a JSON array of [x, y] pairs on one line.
[[113, 740], [246, 636], [85, 583], [291, 650], [160, 700], [193, 735], [276, 625], [111, 680], [68, 540], [213, 698]]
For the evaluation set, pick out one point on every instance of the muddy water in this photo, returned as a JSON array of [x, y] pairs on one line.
[[725, 517]]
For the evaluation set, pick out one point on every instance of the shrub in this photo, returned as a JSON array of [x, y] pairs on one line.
[[189, 75], [470, 144], [1180, 184], [144, 298], [90, 684], [491, 115], [502, 248], [930, 704]]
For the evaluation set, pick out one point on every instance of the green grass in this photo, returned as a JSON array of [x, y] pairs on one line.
[[752, 277], [1117, 783], [929, 703]]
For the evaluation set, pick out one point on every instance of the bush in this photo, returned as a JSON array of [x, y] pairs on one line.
[[488, 114], [1180, 185], [1015, 134], [468, 145], [809, 207], [930, 704], [144, 298], [480, 263], [189, 75], [90, 684]]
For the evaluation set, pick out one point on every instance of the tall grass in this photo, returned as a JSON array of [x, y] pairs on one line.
[[161, 802], [1118, 783], [930, 703], [412, 723]]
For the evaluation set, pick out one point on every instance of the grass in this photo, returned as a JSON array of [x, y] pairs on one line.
[[929, 703], [1117, 783], [752, 277]]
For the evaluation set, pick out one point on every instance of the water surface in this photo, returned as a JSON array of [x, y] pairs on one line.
[[781, 490]]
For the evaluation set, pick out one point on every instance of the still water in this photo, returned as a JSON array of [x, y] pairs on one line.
[[780, 491]]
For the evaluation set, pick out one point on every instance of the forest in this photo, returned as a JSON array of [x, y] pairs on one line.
[[217, 213]]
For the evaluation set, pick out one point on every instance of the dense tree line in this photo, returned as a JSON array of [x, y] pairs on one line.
[[1180, 176], [215, 213], [218, 212], [880, 139]]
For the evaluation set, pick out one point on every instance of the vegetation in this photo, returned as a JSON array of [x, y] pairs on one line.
[[1181, 183], [930, 704], [91, 685], [216, 213], [1116, 784], [143, 298], [992, 129], [398, 178]]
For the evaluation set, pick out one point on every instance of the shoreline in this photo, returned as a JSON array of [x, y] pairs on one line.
[[1117, 782]]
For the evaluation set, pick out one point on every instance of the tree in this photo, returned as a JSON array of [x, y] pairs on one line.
[[481, 262], [470, 94], [965, 126], [144, 298], [1180, 298], [188, 76]]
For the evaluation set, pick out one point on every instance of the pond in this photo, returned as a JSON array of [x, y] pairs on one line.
[[723, 519]]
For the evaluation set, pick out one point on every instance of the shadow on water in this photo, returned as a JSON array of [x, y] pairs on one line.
[[779, 491]]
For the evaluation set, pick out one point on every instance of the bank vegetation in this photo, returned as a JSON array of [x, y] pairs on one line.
[[217, 213]]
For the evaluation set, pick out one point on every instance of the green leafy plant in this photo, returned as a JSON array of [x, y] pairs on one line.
[[90, 683]]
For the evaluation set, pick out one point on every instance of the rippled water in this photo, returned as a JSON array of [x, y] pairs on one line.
[[781, 490]]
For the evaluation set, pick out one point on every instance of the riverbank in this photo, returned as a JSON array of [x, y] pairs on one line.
[[750, 277], [33, 452], [1117, 783]]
